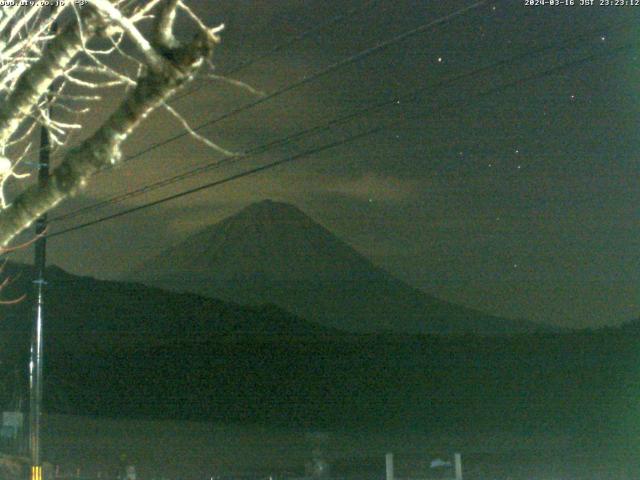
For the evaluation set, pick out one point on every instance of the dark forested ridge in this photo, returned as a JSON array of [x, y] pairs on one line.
[[83, 313]]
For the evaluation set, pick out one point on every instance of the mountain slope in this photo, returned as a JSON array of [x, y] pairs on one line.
[[82, 313], [271, 252]]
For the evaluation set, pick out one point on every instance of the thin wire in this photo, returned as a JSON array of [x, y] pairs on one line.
[[224, 180], [411, 96], [319, 149], [325, 71]]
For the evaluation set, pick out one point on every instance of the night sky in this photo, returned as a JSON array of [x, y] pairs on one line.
[[522, 203]]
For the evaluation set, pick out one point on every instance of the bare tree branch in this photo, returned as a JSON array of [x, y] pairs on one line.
[[35, 82], [153, 58], [180, 63]]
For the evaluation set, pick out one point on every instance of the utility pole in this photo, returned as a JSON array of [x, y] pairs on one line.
[[35, 362]]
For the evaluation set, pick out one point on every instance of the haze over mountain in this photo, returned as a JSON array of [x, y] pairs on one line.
[[271, 252]]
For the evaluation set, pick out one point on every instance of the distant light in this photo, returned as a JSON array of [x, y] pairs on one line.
[[439, 59]]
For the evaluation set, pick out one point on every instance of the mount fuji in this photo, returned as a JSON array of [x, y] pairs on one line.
[[272, 253]]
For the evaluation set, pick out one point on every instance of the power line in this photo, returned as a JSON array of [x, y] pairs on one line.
[[331, 68], [224, 180], [305, 80], [269, 166], [411, 96], [532, 77]]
